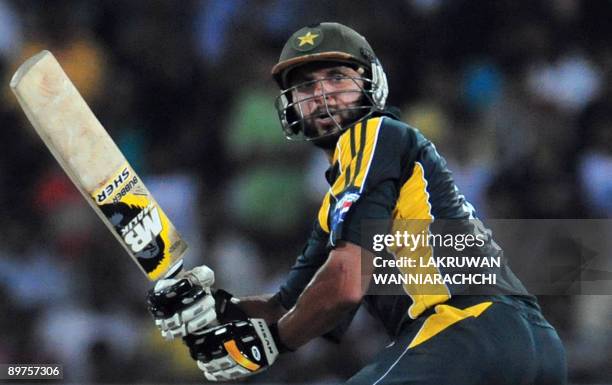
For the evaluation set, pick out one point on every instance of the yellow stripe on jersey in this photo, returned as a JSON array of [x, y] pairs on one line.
[[355, 163], [367, 151], [412, 215], [344, 156], [444, 317], [324, 213]]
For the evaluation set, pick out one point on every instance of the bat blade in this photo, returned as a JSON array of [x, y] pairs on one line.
[[96, 166]]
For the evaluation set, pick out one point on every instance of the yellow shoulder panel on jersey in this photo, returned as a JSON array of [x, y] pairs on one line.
[[412, 214]]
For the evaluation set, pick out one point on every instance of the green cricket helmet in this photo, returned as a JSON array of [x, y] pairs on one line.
[[335, 44]]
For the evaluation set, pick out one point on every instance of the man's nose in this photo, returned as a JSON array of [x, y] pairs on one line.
[[321, 90]]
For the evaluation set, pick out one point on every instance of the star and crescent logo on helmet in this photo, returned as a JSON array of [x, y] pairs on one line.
[[307, 39]]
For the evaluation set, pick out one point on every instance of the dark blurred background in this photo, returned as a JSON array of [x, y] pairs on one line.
[[515, 94]]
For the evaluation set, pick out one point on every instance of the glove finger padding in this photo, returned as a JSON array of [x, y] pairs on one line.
[[234, 350], [184, 305], [199, 315]]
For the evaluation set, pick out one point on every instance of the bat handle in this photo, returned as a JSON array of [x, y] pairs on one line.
[[174, 270]]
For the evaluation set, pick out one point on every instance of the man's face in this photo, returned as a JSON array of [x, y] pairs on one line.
[[326, 95]]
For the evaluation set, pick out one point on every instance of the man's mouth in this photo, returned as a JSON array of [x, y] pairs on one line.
[[326, 118]]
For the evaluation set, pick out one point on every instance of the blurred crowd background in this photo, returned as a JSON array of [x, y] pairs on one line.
[[515, 94]]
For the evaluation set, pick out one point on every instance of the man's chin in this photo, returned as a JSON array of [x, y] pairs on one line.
[[323, 136], [322, 127], [324, 132]]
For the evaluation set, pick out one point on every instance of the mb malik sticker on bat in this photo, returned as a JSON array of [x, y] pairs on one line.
[[96, 166]]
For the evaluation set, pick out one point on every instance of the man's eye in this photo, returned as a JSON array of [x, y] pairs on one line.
[[305, 86]]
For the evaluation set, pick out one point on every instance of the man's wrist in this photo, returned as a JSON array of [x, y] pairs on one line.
[[282, 348]]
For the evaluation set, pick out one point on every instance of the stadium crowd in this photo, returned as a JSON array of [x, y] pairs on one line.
[[516, 94]]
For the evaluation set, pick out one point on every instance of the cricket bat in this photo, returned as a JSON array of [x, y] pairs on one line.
[[96, 166]]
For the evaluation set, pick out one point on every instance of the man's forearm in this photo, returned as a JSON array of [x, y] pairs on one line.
[[262, 306], [310, 319], [333, 292]]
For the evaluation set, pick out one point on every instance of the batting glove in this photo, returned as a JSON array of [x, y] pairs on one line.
[[183, 305], [234, 350]]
